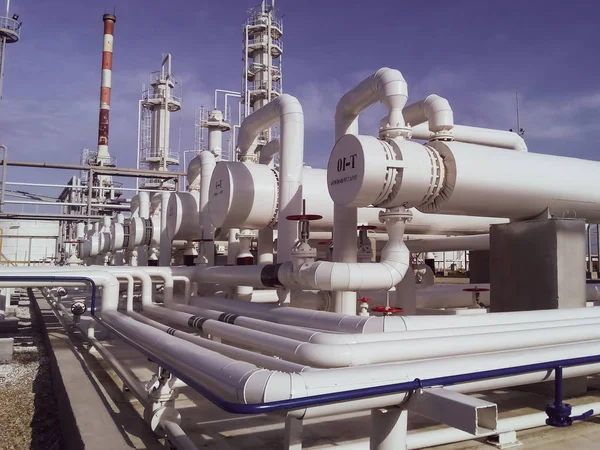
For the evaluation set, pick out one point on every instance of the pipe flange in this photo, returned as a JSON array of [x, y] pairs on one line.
[[157, 413], [395, 213], [390, 132], [275, 219]]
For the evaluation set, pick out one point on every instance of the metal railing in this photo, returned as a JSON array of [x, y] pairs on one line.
[[149, 152], [10, 28]]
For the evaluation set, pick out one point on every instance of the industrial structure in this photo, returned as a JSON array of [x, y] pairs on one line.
[[270, 288], [156, 106], [10, 32]]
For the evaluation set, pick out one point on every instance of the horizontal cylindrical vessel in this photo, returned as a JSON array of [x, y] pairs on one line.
[[251, 201], [518, 185], [183, 218]]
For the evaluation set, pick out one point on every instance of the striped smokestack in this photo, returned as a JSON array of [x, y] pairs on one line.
[[107, 53]]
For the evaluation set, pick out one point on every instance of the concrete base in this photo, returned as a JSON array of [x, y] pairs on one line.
[[537, 264], [479, 266]]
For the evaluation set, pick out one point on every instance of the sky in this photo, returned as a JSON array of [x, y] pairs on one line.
[[475, 53]]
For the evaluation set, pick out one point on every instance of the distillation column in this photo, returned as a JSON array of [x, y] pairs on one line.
[[158, 103]]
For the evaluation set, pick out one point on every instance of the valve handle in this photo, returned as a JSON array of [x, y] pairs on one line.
[[365, 300], [325, 242], [387, 309], [304, 216], [366, 227]]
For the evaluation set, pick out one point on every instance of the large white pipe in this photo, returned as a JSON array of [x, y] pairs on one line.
[[432, 109], [288, 111], [451, 243], [248, 384], [144, 199], [340, 323], [475, 135], [389, 87], [345, 355], [517, 185]]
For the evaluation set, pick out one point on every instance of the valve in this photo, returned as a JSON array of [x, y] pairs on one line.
[[365, 251], [78, 308], [559, 413], [302, 252], [387, 310], [476, 295], [363, 304]]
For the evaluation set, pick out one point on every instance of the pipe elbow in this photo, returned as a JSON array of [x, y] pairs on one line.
[[288, 104], [439, 113], [324, 355], [392, 90], [520, 144]]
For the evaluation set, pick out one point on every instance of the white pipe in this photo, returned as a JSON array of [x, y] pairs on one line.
[[389, 87], [433, 109], [451, 243], [476, 182], [246, 383], [144, 198], [208, 164], [265, 235], [359, 354], [165, 242], [475, 135], [344, 324], [288, 111], [336, 276], [227, 350]]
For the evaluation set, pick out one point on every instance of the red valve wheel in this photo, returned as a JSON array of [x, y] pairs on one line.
[[365, 300], [366, 227], [325, 242], [202, 240], [304, 217], [387, 309], [476, 289]]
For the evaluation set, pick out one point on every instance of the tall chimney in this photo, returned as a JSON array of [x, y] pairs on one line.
[[107, 53]]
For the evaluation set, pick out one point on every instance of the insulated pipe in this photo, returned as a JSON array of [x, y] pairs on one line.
[[203, 369], [227, 350], [432, 109], [107, 54], [336, 276], [477, 177], [265, 235], [207, 166], [447, 244], [361, 354], [319, 337], [389, 87], [475, 135], [144, 198], [288, 111], [343, 324], [165, 243]]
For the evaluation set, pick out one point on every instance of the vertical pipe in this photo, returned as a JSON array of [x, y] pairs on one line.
[[589, 249], [139, 132], [107, 54], [598, 246], [4, 165]]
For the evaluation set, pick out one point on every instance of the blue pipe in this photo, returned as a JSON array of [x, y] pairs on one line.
[[321, 399]]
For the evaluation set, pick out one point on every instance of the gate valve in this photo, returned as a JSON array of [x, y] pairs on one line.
[[476, 294], [387, 310], [302, 252], [363, 304], [559, 413], [365, 251]]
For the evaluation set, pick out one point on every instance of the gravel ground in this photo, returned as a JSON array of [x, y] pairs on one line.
[[28, 418]]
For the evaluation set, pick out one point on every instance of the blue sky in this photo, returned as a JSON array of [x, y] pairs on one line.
[[475, 53]]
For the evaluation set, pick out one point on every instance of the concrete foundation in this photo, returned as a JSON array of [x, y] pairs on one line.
[[479, 266], [537, 264]]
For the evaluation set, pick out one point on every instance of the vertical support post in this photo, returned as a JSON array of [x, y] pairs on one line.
[[588, 235], [4, 166], [293, 434], [90, 194], [389, 429]]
